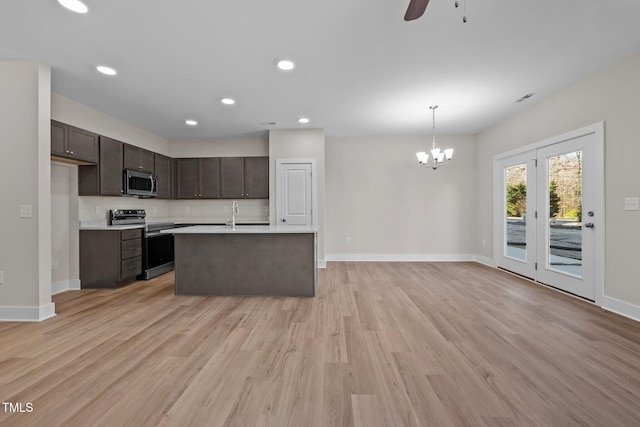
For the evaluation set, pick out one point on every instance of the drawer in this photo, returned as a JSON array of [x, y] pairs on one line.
[[130, 268], [134, 233], [130, 248]]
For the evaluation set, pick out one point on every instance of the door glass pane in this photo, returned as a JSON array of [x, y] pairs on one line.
[[516, 215], [564, 199]]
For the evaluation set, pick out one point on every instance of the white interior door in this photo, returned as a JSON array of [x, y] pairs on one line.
[[549, 222], [294, 194]]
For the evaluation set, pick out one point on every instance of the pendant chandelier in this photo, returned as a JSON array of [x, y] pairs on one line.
[[439, 157]]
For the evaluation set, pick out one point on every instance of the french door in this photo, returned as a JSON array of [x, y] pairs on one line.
[[549, 208]]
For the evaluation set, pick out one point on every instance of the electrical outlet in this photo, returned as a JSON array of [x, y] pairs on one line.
[[54, 264], [26, 211], [484, 242], [226, 209], [348, 240], [187, 209], [1, 277], [632, 204], [98, 210]]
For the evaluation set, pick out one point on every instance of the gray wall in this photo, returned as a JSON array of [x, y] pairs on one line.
[[391, 207], [25, 243]]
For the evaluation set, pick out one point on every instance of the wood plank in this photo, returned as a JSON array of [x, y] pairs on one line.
[[381, 344]]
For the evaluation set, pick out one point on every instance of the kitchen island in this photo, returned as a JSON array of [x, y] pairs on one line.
[[247, 260]]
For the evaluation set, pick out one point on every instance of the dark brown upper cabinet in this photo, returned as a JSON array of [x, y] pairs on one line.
[[198, 178], [105, 178], [72, 144], [232, 178], [256, 177], [137, 158], [244, 177], [163, 171]]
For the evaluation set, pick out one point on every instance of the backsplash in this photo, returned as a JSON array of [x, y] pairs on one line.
[[198, 211]]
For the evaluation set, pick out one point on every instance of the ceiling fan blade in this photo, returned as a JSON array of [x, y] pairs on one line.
[[416, 9]]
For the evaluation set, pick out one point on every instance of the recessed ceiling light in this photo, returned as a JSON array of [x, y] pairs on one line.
[[191, 122], [286, 65], [74, 5], [106, 70], [303, 120], [228, 101]]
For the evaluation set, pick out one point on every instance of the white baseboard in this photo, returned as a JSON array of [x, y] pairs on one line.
[[65, 285], [401, 257], [485, 260], [27, 314], [622, 308]]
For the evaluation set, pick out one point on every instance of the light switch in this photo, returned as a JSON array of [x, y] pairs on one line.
[[632, 204], [1, 277], [26, 211]]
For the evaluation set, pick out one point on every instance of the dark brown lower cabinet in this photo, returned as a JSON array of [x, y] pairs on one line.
[[110, 258]]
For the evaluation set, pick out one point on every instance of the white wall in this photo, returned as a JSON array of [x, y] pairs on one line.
[[25, 243], [613, 96], [223, 147], [392, 208], [308, 144]]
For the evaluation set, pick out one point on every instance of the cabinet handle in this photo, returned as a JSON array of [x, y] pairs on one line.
[[70, 152], [139, 167], [66, 151], [132, 267]]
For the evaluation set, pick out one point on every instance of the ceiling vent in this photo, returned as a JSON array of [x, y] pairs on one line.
[[524, 97]]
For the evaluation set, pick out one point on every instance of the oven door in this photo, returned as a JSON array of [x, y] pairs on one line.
[[157, 254]]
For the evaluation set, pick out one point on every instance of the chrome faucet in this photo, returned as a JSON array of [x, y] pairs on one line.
[[234, 210]]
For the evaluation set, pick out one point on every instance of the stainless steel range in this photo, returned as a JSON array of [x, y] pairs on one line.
[[157, 248]]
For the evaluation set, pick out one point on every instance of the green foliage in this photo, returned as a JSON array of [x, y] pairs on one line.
[[517, 199], [575, 213], [554, 199]]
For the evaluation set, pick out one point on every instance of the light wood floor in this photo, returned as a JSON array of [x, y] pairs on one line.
[[383, 344]]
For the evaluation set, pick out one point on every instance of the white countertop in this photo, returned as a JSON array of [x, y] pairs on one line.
[[102, 225], [242, 229]]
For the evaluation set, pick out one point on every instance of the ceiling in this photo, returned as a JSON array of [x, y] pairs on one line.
[[361, 70]]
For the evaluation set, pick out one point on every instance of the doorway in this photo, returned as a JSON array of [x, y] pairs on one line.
[[549, 212]]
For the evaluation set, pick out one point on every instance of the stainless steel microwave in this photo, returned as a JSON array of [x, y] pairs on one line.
[[137, 183]]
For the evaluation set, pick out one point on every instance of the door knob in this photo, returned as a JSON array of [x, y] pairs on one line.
[[589, 225], [284, 219]]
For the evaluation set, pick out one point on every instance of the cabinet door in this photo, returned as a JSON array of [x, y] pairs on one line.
[[146, 160], [58, 139], [232, 177], [256, 177], [162, 167], [210, 178], [130, 157], [82, 145], [110, 167], [188, 178]]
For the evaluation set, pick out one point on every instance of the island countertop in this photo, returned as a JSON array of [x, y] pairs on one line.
[[242, 229]]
